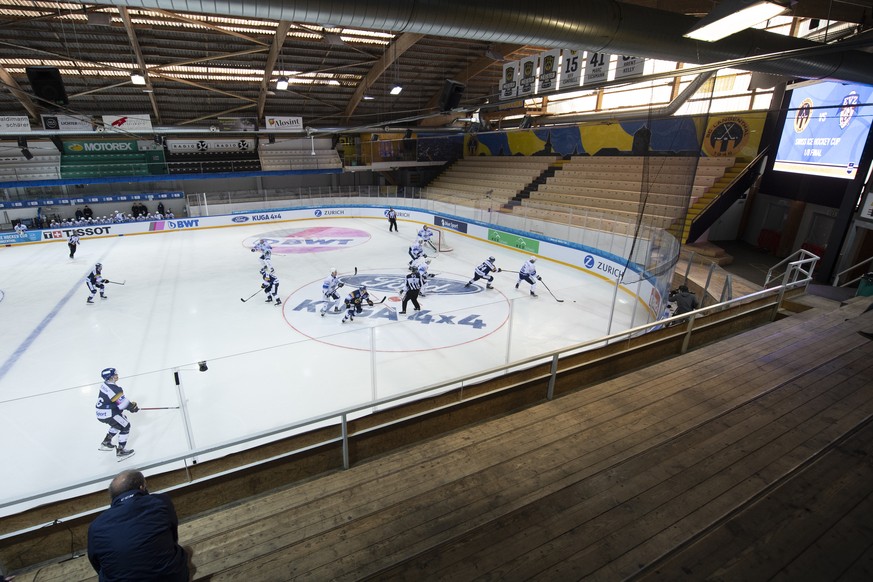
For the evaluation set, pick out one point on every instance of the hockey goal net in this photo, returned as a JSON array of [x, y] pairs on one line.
[[439, 241]]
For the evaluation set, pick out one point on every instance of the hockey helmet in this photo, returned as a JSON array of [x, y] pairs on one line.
[[532, 259], [98, 266], [363, 287], [107, 373], [492, 259], [333, 271]]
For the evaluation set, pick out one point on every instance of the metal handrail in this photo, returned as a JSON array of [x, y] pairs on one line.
[[852, 268], [798, 259]]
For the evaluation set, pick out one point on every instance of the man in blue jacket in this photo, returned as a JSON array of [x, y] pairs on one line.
[[137, 538]]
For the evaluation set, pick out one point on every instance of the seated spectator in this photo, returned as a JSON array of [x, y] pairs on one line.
[[137, 537], [685, 300]]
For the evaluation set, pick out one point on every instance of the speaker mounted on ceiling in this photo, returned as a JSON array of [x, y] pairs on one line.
[[451, 95], [47, 84]]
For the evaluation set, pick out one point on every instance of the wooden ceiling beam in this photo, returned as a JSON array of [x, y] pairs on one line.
[[393, 51]]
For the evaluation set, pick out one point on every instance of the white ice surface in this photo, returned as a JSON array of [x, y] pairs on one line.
[[269, 366]]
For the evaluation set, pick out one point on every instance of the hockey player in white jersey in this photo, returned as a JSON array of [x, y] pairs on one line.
[[416, 252], [271, 287], [424, 236], [111, 406], [95, 281], [328, 290], [528, 274], [266, 255], [483, 272], [420, 266]]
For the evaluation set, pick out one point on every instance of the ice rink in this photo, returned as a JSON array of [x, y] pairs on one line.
[[268, 365]]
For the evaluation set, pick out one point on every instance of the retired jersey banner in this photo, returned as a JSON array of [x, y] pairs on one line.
[[527, 83], [549, 62], [67, 122], [14, 123], [509, 84], [571, 68], [275, 123], [596, 67], [628, 66], [128, 122]]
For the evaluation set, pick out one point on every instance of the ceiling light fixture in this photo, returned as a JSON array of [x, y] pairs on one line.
[[396, 90], [368, 97], [137, 78], [282, 84], [732, 16]]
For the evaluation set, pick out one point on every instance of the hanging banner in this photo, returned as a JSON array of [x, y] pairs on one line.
[[275, 123], [596, 67], [571, 68], [128, 122], [549, 62], [80, 147], [628, 66], [14, 123], [67, 122], [210, 145], [527, 83], [238, 123], [509, 86]]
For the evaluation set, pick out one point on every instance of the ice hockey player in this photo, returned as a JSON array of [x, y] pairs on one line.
[[424, 236], [413, 288], [328, 290], [482, 272], [416, 252], [95, 282], [111, 405], [266, 256], [528, 273], [420, 266], [355, 301], [271, 287]]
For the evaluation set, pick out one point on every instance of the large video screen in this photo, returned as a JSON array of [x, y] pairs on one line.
[[825, 130]]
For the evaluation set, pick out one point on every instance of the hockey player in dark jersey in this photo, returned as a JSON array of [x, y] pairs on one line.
[[95, 282], [271, 287], [355, 301], [482, 272], [111, 405]]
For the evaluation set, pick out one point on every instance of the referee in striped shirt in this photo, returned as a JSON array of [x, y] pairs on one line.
[[413, 288]]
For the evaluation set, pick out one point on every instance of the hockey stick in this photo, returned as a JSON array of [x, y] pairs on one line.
[[346, 274], [508, 271], [116, 283], [550, 292], [159, 408], [380, 301], [430, 244], [250, 296]]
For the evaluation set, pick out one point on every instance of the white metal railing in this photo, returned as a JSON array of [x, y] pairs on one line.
[[863, 263]]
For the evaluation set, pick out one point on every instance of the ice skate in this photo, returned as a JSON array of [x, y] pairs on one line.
[[268, 300], [402, 312], [123, 453], [278, 301], [102, 296], [322, 313], [516, 285], [532, 294], [489, 286], [468, 284], [106, 445], [90, 301]]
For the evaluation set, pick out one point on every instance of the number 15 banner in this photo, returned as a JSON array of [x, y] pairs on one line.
[[571, 68]]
